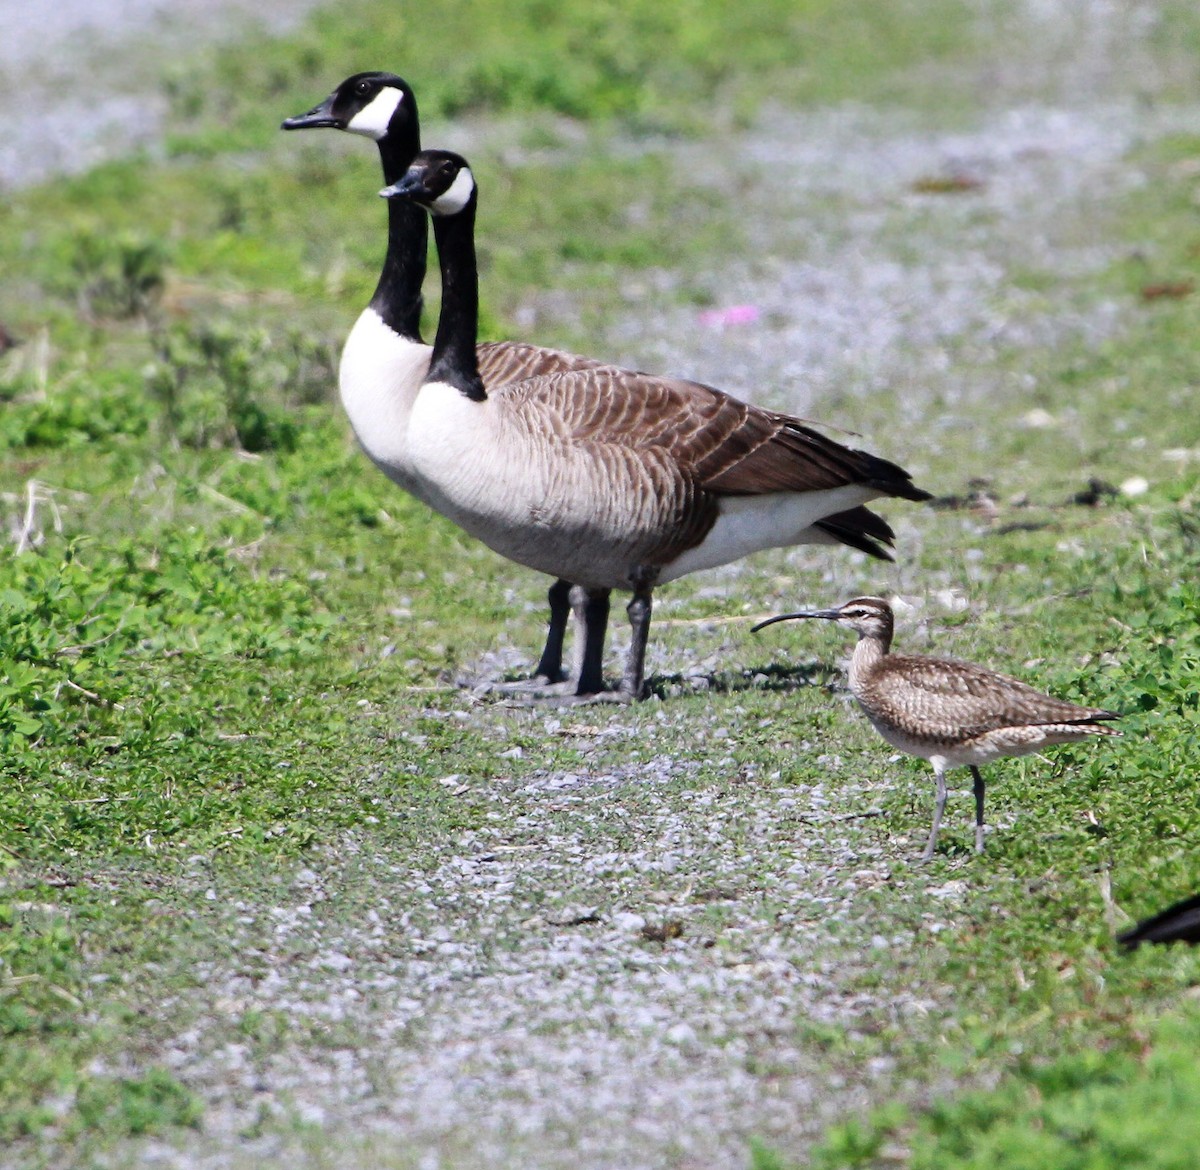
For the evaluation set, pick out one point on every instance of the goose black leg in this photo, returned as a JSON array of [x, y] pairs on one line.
[[591, 614], [549, 680], [549, 666], [639, 610], [978, 777]]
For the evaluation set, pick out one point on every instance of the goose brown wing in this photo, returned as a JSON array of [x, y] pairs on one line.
[[965, 700], [721, 445], [504, 362], [772, 452]]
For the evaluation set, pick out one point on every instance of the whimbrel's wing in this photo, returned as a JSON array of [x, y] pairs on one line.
[[958, 701]]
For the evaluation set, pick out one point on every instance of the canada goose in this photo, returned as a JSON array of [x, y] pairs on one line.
[[384, 360], [609, 478], [948, 712]]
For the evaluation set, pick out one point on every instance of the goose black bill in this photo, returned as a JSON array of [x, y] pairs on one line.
[[316, 118]]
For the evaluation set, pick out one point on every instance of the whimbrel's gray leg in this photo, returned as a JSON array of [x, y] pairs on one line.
[[975, 772], [939, 807], [549, 665], [591, 620], [639, 610]]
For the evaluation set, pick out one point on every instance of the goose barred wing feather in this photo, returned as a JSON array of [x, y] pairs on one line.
[[721, 445], [771, 452], [965, 701], [502, 362]]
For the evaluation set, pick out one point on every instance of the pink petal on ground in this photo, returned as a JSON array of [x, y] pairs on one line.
[[730, 315]]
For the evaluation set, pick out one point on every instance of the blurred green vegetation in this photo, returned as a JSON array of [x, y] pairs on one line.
[[672, 66]]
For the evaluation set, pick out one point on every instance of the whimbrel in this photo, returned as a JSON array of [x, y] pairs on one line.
[[1177, 923], [951, 713]]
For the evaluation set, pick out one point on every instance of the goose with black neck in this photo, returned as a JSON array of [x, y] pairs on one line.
[[610, 478]]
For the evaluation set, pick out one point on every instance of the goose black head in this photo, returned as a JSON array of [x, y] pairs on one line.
[[438, 180], [380, 106]]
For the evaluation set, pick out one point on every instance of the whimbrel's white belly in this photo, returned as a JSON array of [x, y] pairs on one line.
[[983, 749]]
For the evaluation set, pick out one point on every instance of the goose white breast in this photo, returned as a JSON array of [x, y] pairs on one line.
[[378, 381]]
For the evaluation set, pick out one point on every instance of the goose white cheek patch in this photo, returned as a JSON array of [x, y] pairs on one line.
[[373, 119], [456, 196]]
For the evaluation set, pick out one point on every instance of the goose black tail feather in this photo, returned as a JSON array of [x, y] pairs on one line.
[[862, 529], [859, 466]]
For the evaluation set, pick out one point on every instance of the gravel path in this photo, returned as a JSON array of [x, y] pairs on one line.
[[860, 285], [506, 1007], [626, 966]]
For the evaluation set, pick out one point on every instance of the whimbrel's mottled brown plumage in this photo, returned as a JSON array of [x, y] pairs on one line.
[[949, 712]]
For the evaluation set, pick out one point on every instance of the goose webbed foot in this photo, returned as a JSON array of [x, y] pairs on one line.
[[562, 695], [532, 688], [584, 699]]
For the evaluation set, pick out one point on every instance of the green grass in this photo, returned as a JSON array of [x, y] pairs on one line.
[[673, 66], [1092, 1110], [236, 646]]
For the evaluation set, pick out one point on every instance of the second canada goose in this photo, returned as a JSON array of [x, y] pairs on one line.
[[609, 478]]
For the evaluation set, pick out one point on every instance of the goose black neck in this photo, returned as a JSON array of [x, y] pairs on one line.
[[397, 298], [458, 323]]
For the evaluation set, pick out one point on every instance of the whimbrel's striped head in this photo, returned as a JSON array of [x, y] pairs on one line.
[[869, 617]]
